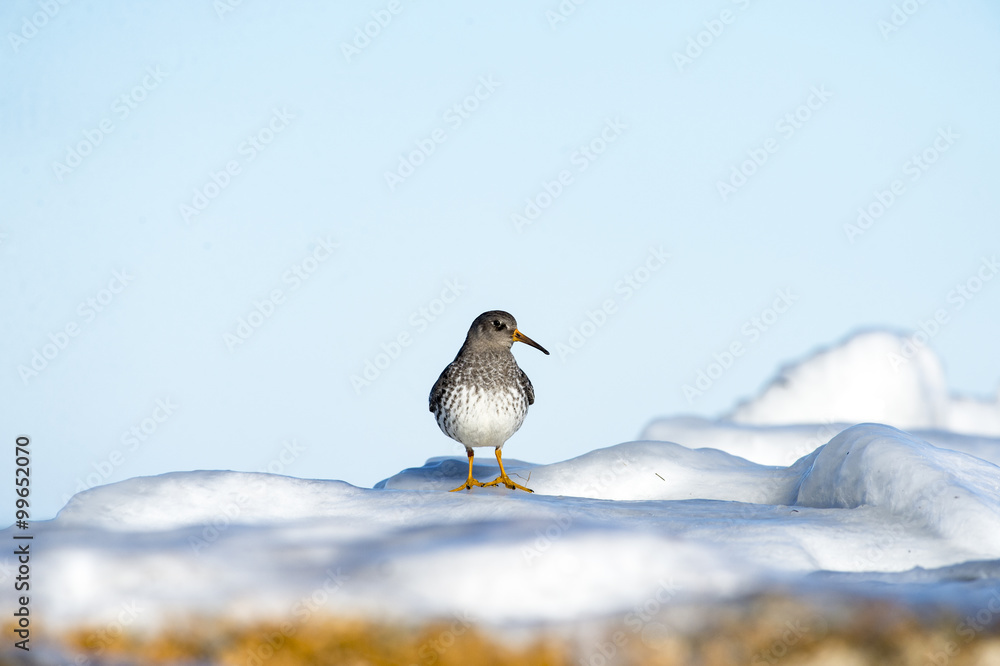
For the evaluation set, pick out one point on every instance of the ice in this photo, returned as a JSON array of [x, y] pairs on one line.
[[787, 492], [784, 444], [629, 471], [178, 499], [601, 532], [874, 376], [955, 495]]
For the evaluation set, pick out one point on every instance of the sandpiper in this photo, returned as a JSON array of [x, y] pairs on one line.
[[482, 396]]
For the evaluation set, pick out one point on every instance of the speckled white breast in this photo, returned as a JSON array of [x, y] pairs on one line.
[[482, 417]]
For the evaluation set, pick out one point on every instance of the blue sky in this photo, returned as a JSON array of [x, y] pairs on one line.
[[120, 119]]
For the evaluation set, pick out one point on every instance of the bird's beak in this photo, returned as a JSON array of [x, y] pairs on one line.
[[521, 337]]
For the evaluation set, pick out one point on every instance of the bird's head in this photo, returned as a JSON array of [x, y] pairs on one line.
[[497, 329]]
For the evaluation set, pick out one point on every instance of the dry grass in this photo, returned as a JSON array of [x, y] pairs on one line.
[[765, 630]]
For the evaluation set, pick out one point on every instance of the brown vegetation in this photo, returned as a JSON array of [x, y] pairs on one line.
[[766, 630]]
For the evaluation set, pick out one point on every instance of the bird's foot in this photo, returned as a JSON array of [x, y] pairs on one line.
[[468, 485], [506, 480]]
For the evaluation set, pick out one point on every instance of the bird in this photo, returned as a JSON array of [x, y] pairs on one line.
[[481, 398]]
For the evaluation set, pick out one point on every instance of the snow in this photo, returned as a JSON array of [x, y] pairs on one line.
[[600, 532], [784, 444], [725, 510], [872, 376]]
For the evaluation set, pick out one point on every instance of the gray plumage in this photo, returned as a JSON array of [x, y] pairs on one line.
[[482, 397]]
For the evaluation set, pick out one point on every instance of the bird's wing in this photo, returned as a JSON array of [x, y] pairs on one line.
[[526, 385], [434, 400]]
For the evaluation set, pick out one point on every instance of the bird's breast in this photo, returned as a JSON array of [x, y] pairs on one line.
[[482, 416]]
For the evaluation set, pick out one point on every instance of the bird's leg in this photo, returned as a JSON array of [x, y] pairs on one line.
[[504, 479], [470, 481]]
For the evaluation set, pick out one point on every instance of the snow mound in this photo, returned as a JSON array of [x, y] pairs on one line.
[[629, 471], [869, 465], [767, 445], [177, 499], [873, 376], [784, 444], [853, 382], [603, 532], [954, 494]]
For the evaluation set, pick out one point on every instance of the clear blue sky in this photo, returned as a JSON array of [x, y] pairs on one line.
[[167, 166]]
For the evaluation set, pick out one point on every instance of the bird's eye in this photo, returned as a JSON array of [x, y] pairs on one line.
[[497, 324]]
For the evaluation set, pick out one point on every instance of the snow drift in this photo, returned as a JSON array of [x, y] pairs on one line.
[[874, 376], [785, 492], [602, 532]]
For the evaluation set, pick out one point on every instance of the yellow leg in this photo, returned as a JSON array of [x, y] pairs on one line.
[[470, 481], [503, 478]]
